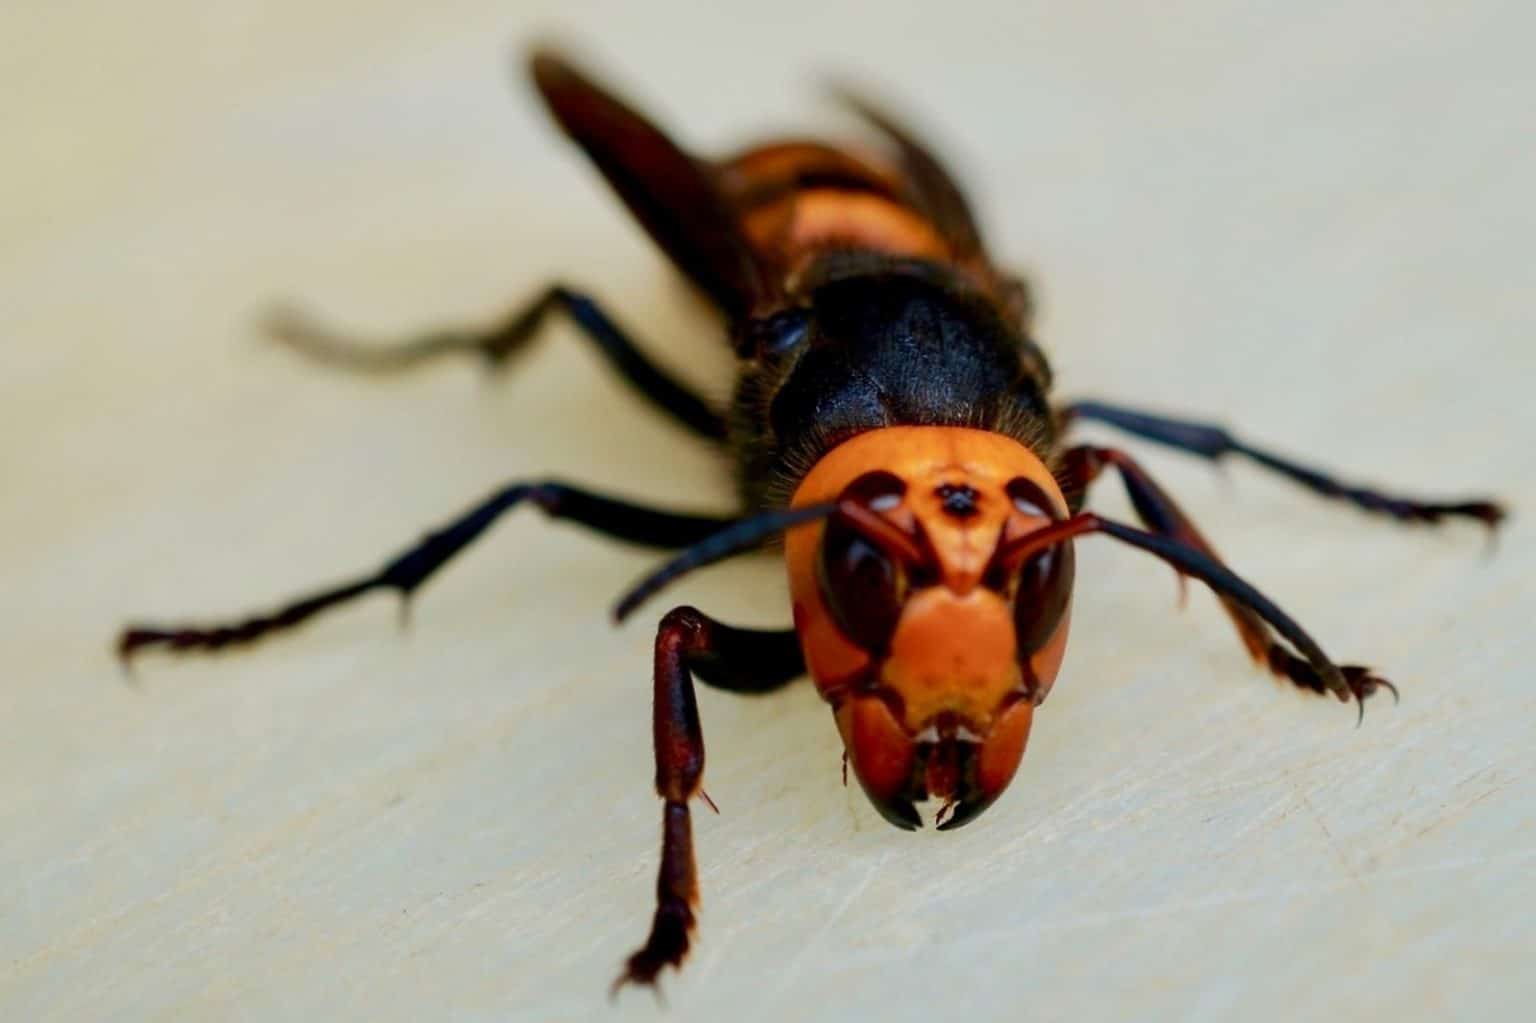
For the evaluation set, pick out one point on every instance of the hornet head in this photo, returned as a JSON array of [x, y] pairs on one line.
[[930, 642]]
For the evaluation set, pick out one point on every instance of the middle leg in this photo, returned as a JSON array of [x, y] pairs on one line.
[[1214, 443], [405, 573]]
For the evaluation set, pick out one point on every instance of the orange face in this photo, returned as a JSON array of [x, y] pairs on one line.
[[931, 644]]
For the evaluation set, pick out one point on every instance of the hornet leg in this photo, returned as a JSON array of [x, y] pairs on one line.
[[1213, 442], [499, 343], [1164, 518], [621, 520], [687, 643]]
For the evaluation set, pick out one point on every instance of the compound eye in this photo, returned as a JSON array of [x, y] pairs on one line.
[[864, 588], [1041, 598], [1045, 581]]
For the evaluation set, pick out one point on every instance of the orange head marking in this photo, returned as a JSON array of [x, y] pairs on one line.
[[932, 644]]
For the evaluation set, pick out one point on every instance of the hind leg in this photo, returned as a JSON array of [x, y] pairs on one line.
[[499, 343]]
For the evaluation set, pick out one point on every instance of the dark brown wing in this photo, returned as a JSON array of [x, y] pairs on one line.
[[935, 191], [668, 191]]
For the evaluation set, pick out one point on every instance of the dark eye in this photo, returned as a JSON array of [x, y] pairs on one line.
[[1044, 591], [863, 588], [1045, 581]]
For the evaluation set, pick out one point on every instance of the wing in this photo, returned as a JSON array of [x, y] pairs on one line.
[[668, 191], [935, 191]]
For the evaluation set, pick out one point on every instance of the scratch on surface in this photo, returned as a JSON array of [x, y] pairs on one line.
[[1499, 785], [791, 973], [1333, 843]]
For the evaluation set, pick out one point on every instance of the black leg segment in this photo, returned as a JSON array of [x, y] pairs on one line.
[[499, 343], [621, 520], [1210, 441], [748, 660]]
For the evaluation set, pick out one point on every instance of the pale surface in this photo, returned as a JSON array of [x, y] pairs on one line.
[[1317, 227]]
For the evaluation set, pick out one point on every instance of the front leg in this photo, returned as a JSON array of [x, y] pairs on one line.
[[1164, 518], [741, 659]]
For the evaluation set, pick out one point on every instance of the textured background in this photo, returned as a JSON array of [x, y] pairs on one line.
[[1316, 226]]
